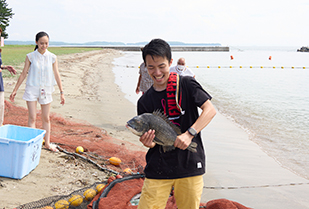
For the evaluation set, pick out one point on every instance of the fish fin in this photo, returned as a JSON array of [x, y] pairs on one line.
[[176, 128], [160, 114], [168, 148], [158, 141], [165, 118], [192, 147]]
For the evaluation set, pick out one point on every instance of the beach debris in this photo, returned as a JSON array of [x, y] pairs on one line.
[[62, 204], [76, 200], [114, 161], [165, 131], [79, 149], [135, 200], [1, 184], [89, 194]]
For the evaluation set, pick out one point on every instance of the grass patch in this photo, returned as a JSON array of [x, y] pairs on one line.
[[15, 55]]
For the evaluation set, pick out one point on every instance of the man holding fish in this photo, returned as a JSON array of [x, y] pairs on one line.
[[169, 163]]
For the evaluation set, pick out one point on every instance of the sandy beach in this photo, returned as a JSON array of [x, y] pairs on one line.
[[88, 82], [237, 169]]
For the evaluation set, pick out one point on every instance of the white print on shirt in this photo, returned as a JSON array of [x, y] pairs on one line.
[[199, 165]]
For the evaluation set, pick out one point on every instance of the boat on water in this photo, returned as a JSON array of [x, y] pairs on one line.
[[303, 49]]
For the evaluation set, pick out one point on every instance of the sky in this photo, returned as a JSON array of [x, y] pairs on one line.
[[228, 22]]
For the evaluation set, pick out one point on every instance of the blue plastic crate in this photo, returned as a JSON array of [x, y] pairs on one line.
[[20, 150]]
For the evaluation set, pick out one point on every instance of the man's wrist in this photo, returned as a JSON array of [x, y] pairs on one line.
[[192, 131]]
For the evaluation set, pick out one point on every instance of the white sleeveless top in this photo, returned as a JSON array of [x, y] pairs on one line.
[[41, 72]]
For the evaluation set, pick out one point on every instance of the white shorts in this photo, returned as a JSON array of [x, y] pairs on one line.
[[32, 93]]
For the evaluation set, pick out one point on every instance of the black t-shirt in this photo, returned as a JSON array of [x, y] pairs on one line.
[[176, 163]]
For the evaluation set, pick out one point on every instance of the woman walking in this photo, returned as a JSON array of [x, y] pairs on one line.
[[41, 66]]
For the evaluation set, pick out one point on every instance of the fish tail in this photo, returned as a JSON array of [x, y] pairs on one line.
[[192, 147], [168, 148]]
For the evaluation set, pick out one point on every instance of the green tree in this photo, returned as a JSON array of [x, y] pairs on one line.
[[5, 15]]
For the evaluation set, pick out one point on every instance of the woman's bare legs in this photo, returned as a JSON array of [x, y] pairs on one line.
[[31, 113], [45, 109], [46, 125]]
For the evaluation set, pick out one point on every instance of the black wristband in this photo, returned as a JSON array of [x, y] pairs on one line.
[[192, 131]]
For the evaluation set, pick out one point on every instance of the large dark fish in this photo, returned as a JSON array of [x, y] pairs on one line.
[[165, 131]]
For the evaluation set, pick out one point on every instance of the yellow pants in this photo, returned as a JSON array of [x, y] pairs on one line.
[[187, 192]]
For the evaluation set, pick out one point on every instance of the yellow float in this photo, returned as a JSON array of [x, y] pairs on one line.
[[79, 149], [62, 204], [76, 200], [89, 194], [99, 187]]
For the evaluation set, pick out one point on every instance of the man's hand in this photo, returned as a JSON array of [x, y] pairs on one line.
[[183, 141], [147, 139]]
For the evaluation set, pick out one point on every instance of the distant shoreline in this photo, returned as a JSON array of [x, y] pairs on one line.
[[174, 48], [107, 43]]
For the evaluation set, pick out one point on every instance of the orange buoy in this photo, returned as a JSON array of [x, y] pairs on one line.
[[232, 57], [269, 58], [110, 179], [128, 171], [114, 161]]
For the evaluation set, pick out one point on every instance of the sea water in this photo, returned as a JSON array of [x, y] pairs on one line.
[[263, 90]]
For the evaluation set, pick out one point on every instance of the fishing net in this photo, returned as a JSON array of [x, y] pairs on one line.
[[98, 149], [51, 201], [70, 134], [122, 192]]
